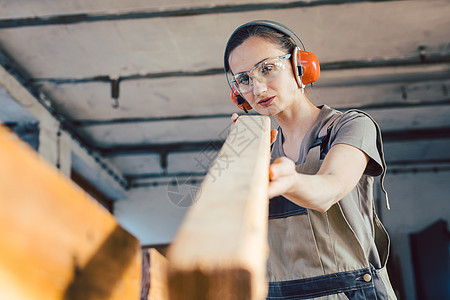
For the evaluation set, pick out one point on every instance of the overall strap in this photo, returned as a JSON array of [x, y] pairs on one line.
[[324, 136]]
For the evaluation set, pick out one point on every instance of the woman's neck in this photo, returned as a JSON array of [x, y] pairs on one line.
[[298, 118]]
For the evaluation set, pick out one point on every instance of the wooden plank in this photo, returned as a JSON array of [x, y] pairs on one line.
[[55, 241], [155, 285], [220, 251]]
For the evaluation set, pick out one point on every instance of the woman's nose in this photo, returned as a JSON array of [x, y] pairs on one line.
[[259, 87]]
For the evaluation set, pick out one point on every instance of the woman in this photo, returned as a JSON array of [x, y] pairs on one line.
[[324, 236]]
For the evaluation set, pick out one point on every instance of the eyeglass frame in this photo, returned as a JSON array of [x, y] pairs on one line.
[[249, 73]]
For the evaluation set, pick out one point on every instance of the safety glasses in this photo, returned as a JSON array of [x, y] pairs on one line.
[[264, 72]]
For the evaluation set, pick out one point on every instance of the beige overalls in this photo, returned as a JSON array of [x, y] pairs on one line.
[[328, 255]]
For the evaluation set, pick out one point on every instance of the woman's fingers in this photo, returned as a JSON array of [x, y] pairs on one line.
[[234, 117], [273, 135], [282, 176], [276, 188], [281, 166]]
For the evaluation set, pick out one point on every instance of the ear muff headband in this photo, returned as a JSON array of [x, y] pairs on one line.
[[305, 64]]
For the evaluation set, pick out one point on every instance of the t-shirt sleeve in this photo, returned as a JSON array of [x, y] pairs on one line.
[[358, 130]]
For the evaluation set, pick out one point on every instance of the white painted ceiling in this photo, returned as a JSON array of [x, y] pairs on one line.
[[390, 58]]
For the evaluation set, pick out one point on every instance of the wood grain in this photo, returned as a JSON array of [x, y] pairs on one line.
[[220, 251], [55, 241], [155, 285]]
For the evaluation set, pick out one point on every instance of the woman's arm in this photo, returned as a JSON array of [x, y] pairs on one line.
[[341, 170]]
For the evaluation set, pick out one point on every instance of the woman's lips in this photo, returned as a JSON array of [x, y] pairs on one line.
[[266, 101]]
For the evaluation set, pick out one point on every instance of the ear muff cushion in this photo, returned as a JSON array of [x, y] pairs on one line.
[[235, 95]]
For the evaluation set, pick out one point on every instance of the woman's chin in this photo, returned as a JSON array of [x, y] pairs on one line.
[[267, 111]]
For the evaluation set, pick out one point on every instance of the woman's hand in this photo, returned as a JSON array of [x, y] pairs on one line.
[[282, 176], [341, 170]]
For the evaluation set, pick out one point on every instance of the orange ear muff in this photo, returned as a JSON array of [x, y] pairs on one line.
[[309, 65], [239, 100]]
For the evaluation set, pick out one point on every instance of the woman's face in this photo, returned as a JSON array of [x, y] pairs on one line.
[[271, 97]]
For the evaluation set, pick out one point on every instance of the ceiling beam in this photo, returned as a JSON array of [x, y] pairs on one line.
[[190, 180], [423, 163], [430, 166], [164, 149], [195, 178], [88, 122], [419, 60], [394, 105], [20, 89], [416, 134], [194, 11]]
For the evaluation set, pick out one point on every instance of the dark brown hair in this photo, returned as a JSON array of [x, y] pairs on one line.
[[243, 33]]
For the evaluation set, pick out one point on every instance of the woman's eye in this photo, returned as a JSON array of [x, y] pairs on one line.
[[266, 68], [243, 80]]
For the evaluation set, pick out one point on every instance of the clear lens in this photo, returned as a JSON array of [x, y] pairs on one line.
[[264, 72]]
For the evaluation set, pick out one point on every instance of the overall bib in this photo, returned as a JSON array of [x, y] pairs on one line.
[[317, 255]]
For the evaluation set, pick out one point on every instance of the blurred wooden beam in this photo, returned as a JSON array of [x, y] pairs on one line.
[[220, 251], [155, 285], [55, 241]]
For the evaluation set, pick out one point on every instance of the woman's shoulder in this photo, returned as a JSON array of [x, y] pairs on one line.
[[357, 128], [353, 118]]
